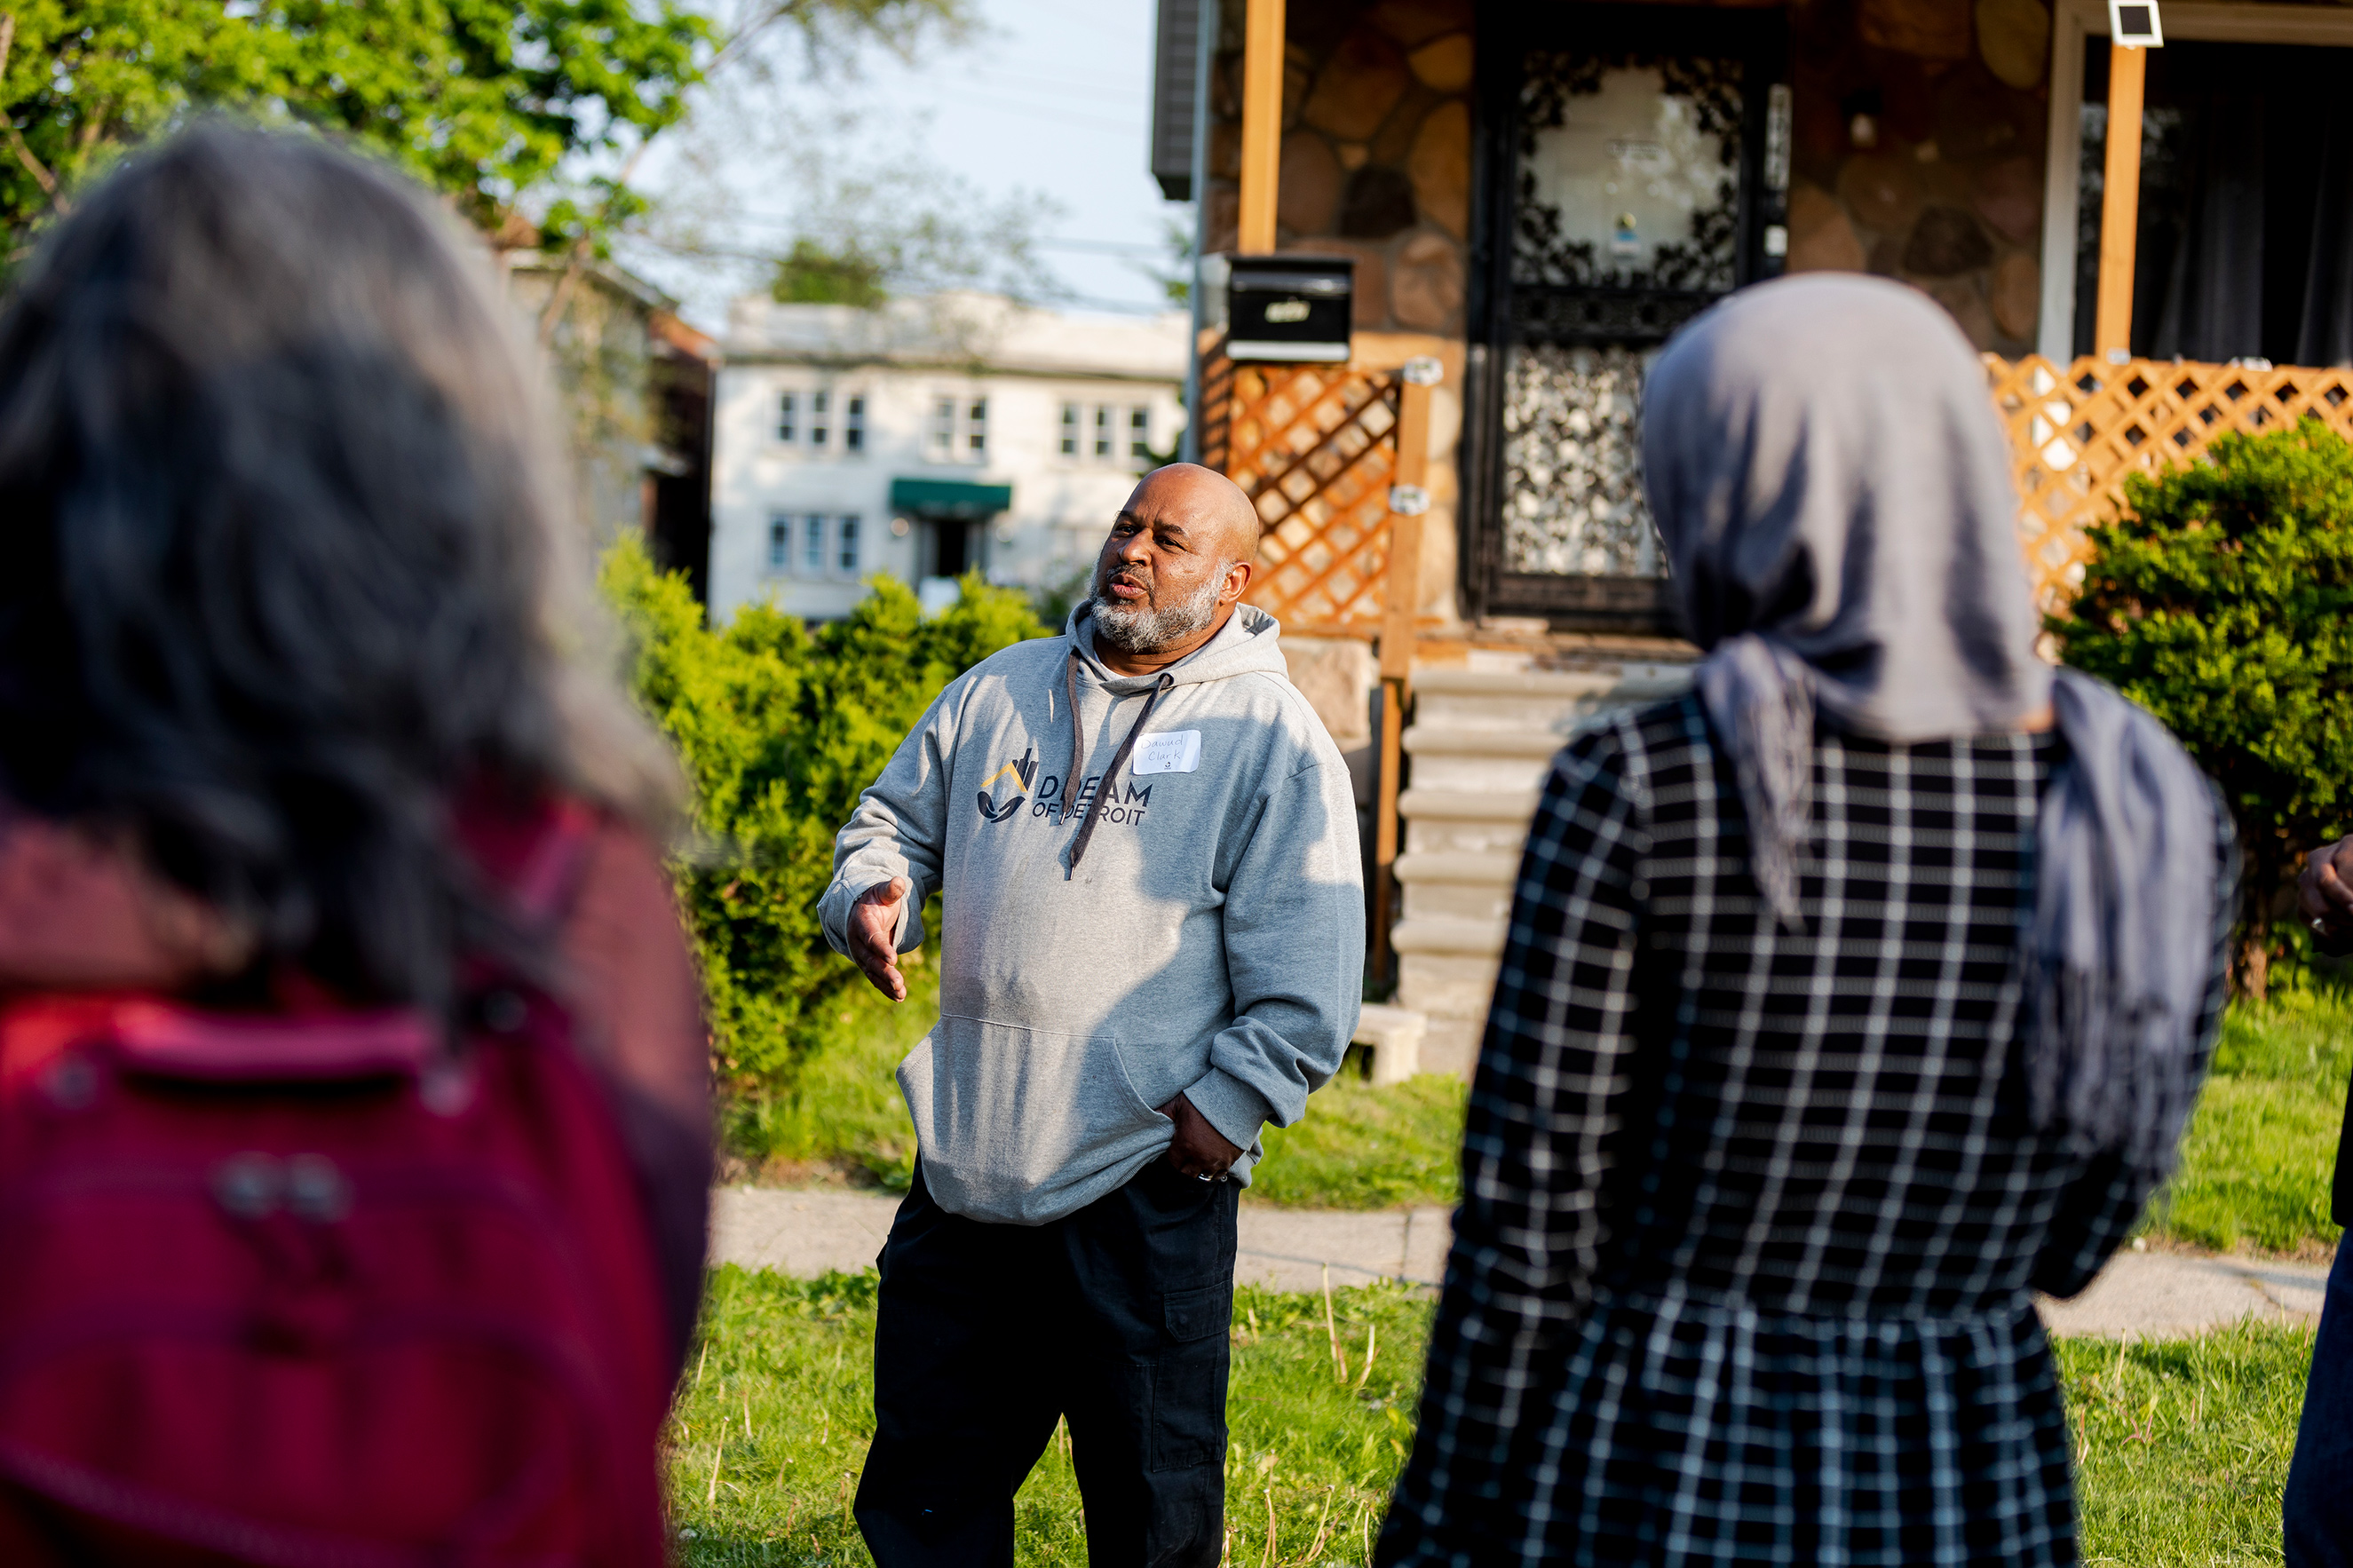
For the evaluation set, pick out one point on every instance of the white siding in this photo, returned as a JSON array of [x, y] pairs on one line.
[[1061, 505]]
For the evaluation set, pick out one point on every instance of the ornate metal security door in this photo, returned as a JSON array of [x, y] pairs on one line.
[[1636, 166]]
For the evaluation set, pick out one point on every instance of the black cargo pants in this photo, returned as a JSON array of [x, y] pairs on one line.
[[1115, 1317]]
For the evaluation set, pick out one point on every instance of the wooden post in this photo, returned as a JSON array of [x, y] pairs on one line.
[[1402, 596], [1263, 43], [2120, 204]]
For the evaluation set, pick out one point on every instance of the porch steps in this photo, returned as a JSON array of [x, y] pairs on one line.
[[1481, 742], [1392, 1036]]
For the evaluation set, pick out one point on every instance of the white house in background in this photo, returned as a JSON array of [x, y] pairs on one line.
[[925, 437]]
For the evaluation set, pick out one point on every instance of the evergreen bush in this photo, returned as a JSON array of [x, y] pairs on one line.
[[2221, 600], [780, 727]]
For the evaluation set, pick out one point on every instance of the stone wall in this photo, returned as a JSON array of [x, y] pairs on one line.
[[1918, 152], [1376, 167], [1375, 150]]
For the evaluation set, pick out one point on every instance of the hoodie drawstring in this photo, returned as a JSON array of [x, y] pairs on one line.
[[1077, 736], [1118, 761]]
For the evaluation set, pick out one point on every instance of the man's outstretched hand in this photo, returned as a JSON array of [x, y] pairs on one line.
[[874, 935], [1198, 1149]]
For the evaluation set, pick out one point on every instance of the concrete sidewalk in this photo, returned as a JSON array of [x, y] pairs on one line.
[[2149, 1295], [2165, 1295], [806, 1231]]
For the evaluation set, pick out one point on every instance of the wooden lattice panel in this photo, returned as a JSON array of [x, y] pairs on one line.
[[1217, 397], [1314, 447], [2075, 435]]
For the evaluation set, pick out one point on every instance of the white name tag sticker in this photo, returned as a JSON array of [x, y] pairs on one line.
[[1176, 752]]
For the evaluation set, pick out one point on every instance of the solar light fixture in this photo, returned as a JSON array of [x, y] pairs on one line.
[[2133, 25]]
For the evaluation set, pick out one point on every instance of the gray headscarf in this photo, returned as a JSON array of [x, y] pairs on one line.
[[1834, 492]]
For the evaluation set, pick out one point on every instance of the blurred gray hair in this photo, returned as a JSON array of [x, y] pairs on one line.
[[294, 565]]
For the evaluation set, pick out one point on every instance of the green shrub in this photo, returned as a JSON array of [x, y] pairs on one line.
[[779, 727], [841, 1114], [2221, 600]]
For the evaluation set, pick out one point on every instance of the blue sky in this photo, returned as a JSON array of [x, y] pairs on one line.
[[1051, 99]]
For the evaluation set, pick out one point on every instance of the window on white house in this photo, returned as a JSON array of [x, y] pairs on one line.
[[780, 544], [1069, 429], [818, 404], [850, 545], [944, 430], [854, 425], [787, 410], [976, 439], [813, 545], [1139, 433], [1102, 431]]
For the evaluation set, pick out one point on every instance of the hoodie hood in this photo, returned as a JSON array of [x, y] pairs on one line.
[[1245, 644]]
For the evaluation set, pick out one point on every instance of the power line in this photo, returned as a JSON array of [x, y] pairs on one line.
[[913, 285], [1051, 242], [1122, 95], [1085, 17], [1105, 246], [1009, 106]]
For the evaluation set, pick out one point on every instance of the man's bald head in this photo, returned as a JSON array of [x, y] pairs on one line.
[[1180, 555], [1192, 489]]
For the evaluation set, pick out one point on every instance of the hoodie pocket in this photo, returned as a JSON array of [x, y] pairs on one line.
[[1024, 1125]]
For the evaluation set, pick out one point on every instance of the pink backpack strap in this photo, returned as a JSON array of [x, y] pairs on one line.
[[158, 1038], [535, 855], [191, 1045], [544, 887]]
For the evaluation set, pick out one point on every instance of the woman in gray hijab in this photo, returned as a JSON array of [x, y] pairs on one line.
[[1847, 1001]]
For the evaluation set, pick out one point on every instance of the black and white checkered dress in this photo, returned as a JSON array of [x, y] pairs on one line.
[[1742, 1272]]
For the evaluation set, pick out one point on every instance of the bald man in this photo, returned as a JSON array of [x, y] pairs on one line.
[[1152, 945]]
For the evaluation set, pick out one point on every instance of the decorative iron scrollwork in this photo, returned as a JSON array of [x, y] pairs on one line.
[[1707, 260], [1583, 325], [1573, 500], [1622, 316]]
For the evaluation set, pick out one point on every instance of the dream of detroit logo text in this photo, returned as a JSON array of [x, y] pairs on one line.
[[1049, 801]]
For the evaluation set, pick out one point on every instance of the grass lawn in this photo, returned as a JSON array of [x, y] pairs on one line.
[[770, 1427], [2181, 1448], [2255, 1171], [1358, 1148], [842, 1117], [1364, 1148], [2256, 1164]]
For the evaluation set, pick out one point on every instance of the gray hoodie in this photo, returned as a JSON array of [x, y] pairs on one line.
[[1195, 926]]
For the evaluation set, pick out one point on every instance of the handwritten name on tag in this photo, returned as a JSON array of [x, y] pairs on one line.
[[1176, 752]]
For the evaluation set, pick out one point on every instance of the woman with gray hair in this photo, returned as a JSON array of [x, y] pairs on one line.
[[1847, 1001], [354, 1131]]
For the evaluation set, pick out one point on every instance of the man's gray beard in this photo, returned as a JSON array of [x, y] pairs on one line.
[[1135, 629]]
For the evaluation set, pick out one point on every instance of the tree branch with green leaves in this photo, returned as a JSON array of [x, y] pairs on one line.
[[486, 101]]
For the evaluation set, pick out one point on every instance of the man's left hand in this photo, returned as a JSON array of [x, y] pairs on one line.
[[1198, 1149]]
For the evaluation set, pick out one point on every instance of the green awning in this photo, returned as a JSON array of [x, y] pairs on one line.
[[949, 498]]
